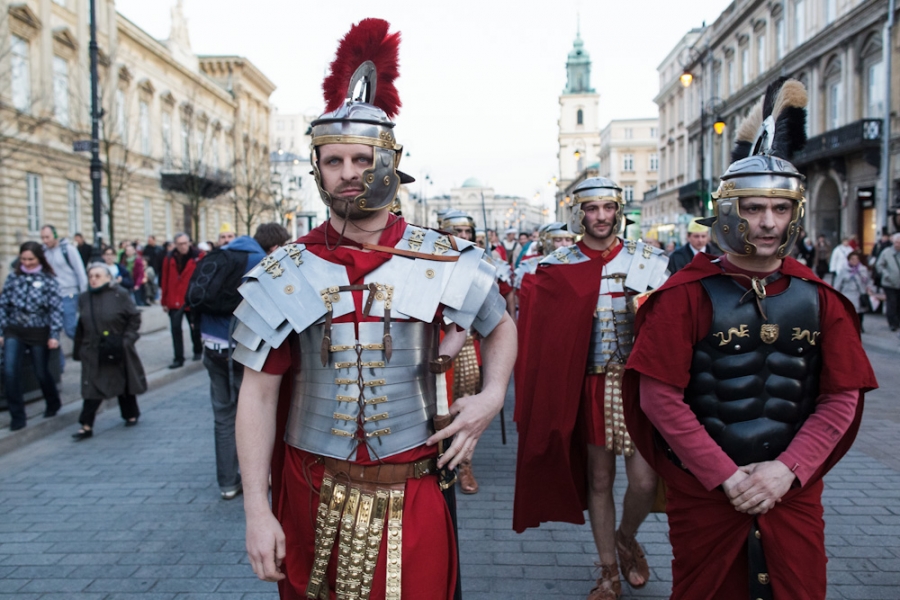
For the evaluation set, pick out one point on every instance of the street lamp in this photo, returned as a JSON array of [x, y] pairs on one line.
[[686, 79], [713, 106]]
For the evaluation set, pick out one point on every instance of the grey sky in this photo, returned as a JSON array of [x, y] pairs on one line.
[[479, 80]]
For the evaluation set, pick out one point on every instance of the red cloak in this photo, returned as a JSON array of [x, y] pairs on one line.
[[429, 545], [708, 536], [551, 481]]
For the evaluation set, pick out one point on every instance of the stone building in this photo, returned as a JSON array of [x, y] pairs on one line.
[[173, 121], [629, 156], [837, 48], [502, 211]]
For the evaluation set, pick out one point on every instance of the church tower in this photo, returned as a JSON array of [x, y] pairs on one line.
[[579, 125]]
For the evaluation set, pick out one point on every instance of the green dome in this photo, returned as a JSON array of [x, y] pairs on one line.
[[472, 182]]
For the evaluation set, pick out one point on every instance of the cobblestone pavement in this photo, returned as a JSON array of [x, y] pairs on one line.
[[135, 513]]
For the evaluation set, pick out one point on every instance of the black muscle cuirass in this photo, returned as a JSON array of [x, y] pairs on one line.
[[754, 381]]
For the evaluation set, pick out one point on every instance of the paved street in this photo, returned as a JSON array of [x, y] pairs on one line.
[[135, 513]]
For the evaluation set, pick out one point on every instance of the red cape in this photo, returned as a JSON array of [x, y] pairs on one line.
[[719, 538], [551, 484]]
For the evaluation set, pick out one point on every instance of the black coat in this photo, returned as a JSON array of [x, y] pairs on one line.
[[683, 257], [115, 312]]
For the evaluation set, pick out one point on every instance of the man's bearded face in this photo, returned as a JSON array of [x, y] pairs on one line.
[[600, 219], [341, 167]]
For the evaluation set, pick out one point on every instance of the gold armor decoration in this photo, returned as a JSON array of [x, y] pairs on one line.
[[294, 252], [741, 332], [561, 256], [809, 336], [272, 267], [768, 333], [466, 375], [617, 438], [415, 239], [441, 245], [331, 505], [394, 545]]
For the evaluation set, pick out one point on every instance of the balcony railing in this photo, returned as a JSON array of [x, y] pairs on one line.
[[196, 180], [860, 135]]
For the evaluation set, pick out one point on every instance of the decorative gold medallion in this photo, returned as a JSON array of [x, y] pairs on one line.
[[768, 333]]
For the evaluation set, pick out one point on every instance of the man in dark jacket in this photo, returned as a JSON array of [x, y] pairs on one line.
[[225, 375], [697, 241], [176, 274]]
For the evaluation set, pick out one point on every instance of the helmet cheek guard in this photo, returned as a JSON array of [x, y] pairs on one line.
[[757, 176]]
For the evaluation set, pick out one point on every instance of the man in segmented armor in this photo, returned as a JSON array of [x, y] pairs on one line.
[[339, 332], [578, 332], [466, 380], [751, 381]]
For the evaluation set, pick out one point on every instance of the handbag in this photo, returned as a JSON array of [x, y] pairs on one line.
[[111, 346]]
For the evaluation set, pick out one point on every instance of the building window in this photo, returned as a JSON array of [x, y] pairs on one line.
[[148, 217], [779, 39], [654, 132], [834, 105], [761, 65], [185, 144], [875, 91], [145, 128], [745, 65], [61, 91], [214, 150], [830, 11], [654, 162], [628, 193], [629, 133], [35, 197], [628, 162], [799, 22], [579, 117], [121, 121], [167, 139], [21, 80], [169, 221], [199, 143], [74, 207], [731, 82], [280, 126]]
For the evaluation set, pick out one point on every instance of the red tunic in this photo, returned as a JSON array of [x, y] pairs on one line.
[[551, 481], [429, 548], [708, 535]]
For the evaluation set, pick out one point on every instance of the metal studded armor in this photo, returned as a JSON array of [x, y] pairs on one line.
[[636, 269], [754, 381]]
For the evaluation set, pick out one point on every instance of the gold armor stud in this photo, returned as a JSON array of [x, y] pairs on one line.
[[768, 333], [288, 289], [429, 273]]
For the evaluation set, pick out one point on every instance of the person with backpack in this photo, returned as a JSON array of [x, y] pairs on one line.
[[213, 295], [176, 274], [66, 262]]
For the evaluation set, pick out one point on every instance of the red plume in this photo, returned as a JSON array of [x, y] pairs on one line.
[[367, 40]]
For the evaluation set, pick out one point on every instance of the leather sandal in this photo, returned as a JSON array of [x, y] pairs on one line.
[[467, 482], [631, 559], [607, 588]]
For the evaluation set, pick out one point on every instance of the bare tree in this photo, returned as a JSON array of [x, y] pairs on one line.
[[252, 182], [199, 179]]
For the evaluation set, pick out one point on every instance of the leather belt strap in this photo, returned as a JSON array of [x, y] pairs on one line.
[[384, 473], [411, 254]]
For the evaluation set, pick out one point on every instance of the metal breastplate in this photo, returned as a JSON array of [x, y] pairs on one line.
[[359, 397], [754, 381], [634, 270]]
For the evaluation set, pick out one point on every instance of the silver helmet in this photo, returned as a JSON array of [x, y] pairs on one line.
[[361, 99], [551, 231], [451, 218], [766, 139], [593, 189]]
